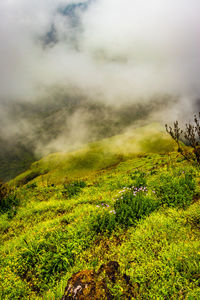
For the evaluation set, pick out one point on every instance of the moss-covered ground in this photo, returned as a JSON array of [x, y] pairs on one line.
[[130, 199]]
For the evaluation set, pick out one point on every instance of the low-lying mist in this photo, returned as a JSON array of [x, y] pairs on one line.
[[63, 125]]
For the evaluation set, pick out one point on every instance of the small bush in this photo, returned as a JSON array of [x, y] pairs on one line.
[[139, 179], [73, 189], [176, 191], [190, 135], [8, 200], [9, 204], [103, 222], [133, 205], [44, 259]]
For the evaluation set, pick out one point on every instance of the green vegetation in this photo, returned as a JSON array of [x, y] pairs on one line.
[[8, 201], [112, 200], [176, 189], [134, 204], [73, 189], [50, 120]]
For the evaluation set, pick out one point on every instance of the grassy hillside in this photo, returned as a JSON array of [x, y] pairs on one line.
[[39, 127], [128, 199], [60, 167]]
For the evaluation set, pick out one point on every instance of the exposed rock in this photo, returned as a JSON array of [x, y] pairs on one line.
[[85, 285], [93, 285]]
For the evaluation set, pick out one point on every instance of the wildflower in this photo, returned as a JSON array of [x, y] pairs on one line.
[[97, 206]]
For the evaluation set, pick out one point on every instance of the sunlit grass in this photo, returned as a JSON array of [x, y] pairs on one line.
[[55, 232]]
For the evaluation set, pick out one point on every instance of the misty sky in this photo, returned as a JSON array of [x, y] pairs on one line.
[[115, 51]]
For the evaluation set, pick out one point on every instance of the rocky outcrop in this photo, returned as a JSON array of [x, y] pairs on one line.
[[94, 285]]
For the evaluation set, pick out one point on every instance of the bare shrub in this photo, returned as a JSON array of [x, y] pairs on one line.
[[190, 135]]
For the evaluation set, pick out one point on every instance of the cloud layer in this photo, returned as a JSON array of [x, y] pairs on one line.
[[110, 50]]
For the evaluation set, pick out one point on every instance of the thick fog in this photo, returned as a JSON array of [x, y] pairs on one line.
[[111, 50], [116, 52]]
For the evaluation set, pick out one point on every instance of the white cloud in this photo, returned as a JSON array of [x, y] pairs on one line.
[[118, 51]]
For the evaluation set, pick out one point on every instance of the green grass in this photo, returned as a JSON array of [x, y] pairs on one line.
[[60, 167], [81, 209]]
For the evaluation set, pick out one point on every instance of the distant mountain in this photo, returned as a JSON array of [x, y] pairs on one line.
[[60, 124]]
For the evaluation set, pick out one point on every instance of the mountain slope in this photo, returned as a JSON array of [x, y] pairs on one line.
[[29, 131], [57, 167], [126, 199]]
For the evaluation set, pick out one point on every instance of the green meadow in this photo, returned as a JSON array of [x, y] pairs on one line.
[[131, 198]]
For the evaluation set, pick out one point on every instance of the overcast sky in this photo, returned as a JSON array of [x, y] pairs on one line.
[[112, 50]]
